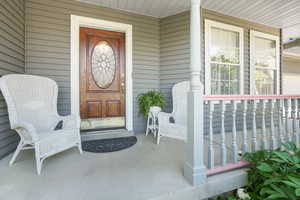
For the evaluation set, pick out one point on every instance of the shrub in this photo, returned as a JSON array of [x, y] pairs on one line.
[[274, 174]]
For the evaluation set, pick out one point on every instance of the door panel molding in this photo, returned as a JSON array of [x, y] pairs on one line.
[[94, 108], [76, 23], [113, 107]]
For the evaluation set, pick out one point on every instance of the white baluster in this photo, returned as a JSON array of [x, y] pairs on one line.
[[287, 120], [273, 139], [263, 124], [245, 135], [254, 134], [295, 121], [223, 136], [234, 144], [281, 126], [211, 156]]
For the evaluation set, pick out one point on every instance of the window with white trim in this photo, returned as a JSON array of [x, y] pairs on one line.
[[223, 59], [265, 58]]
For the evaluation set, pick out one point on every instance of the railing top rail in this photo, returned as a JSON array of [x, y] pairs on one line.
[[248, 97]]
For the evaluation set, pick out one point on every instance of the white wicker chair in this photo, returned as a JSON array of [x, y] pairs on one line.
[[174, 124], [32, 109]]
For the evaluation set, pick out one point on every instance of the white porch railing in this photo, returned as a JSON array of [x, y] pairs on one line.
[[250, 123]]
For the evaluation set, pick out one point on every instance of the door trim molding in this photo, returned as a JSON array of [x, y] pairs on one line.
[[76, 23]]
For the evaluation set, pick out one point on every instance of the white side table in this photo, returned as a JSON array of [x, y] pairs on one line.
[[152, 121]]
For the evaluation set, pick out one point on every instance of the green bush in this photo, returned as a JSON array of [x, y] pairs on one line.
[[149, 99], [274, 174]]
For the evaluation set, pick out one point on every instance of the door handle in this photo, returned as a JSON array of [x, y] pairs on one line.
[[123, 88]]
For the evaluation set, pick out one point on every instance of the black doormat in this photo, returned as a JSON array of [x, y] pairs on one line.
[[109, 145]]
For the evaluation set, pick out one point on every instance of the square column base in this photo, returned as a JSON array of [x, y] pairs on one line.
[[195, 176]]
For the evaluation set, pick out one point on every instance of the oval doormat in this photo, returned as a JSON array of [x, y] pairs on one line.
[[108, 145]]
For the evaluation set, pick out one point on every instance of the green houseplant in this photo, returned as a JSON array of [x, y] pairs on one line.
[[149, 99]]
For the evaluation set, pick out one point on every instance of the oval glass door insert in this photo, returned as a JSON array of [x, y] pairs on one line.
[[103, 64]]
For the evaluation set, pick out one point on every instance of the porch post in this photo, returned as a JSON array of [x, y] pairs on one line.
[[194, 169]]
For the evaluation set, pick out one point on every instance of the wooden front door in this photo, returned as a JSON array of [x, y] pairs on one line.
[[102, 78]]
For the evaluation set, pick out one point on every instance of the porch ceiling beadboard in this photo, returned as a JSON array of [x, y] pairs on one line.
[[11, 61], [48, 45], [277, 13]]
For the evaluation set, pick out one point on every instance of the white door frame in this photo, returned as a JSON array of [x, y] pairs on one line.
[[76, 23]]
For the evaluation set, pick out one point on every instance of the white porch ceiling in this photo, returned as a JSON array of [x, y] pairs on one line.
[[283, 14], [276, 13]]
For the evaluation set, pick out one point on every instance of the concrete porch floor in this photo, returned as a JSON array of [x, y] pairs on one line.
[[145, 171]]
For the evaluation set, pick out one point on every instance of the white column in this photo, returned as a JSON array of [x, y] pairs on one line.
[[194, 169]]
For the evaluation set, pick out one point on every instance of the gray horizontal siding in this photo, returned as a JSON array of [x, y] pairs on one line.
[[48, 46], [174, 52], [12, 60]]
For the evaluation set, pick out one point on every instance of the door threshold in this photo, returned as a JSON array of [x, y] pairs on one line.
[[106, 134], [105, 123], [102, 129]]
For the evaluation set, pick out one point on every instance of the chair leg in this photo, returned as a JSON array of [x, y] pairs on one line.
[[38, 166], [158, 137], [38, 159], [19, 148], [79, 148], [147, 129]]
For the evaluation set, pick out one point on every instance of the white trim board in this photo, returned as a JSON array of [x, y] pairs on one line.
[[76, 23]]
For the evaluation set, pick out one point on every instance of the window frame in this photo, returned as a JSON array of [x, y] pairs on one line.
[[253, 35], [208, 25]]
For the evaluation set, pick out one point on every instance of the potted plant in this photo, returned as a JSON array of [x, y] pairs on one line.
[[149, 99]]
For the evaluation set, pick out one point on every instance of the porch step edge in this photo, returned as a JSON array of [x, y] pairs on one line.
[[215, 185], [105, 134]]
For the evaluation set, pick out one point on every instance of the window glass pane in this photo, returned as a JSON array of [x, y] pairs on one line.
[[224, 46], [224, 79], [265, 81], [265, 52]]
